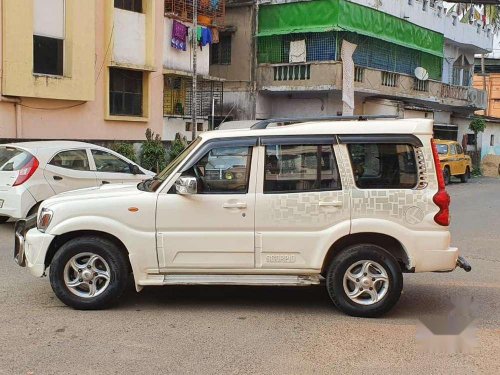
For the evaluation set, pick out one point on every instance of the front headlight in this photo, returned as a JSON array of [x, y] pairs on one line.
[[44, 219]]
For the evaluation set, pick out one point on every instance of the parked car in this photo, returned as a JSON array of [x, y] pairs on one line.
[[454, 161], [351, 204], [31, 172]]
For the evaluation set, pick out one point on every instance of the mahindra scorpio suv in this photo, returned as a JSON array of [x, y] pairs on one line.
[[349, 204]]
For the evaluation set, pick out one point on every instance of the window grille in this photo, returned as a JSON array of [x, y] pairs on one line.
[[221, 52], [177, 96], [210, 12], [125, 92]]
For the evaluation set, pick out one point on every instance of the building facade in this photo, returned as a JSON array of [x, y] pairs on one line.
[[98, 69], [298, 68]]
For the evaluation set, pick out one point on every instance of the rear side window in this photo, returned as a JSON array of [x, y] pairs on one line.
[[13, 159], [300, 168], [71, 159], [383, 166]]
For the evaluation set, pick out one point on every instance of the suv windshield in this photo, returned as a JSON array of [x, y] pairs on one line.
[[13, 159], [442, 149], [154, 183]]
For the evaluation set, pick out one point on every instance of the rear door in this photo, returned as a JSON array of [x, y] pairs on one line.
[[113, 169], [70, 170], [300, 202]]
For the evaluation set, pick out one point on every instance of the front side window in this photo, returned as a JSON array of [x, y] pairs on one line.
[[300, 168], [106, 162], [223, 170], [383, 166], [71, 159], [125, 92]]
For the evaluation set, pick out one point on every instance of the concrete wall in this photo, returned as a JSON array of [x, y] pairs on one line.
[[129, 35], [174, 125], [182, 60]]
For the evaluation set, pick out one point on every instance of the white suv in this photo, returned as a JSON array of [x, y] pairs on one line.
[[351, 203]]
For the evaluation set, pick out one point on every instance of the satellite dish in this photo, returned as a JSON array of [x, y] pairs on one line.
[[421, 73]]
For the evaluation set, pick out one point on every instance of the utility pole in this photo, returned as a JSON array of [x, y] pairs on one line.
[[194, 47]]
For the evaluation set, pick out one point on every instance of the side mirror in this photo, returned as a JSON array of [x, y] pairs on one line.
[[186, 185], [134, 169]]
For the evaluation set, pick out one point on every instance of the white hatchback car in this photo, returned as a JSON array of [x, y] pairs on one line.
[[353, 204], [31, 172]]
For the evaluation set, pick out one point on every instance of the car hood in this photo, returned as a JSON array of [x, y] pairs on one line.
[[93, 193]]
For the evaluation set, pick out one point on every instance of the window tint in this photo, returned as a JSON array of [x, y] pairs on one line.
[[106, 162], [300, 168], [383, 166], [13, 159], [72, 159], [125, 92], [47, 55], [223, 170]]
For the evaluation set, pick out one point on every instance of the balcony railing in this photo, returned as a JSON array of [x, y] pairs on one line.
[[210, 12], [454, 92], [292, 72]]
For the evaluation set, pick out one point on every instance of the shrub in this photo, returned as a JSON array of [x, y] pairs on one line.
[[125, 149], [153, 155], [177, 146]]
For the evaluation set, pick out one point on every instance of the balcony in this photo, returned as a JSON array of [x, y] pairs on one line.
[[327, 76], [210, 12]]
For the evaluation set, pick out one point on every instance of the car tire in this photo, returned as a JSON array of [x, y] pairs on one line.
[[89, 273], [446, 175], [363, 301], [465, 177], [4, 219]]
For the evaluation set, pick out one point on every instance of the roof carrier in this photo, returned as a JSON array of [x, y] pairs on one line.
[[264, 123]]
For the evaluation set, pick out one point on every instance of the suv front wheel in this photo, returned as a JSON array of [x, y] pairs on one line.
[[89, 273], [364, 280]]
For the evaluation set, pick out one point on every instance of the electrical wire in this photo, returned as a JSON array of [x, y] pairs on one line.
[[53, 108], [106, 53]]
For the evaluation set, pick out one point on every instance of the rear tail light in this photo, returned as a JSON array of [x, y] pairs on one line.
[[441, 198], [26, 171]]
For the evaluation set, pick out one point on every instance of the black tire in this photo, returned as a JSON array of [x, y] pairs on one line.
[[465, 177], [4, 219], [349, 257], [107, 250], [446, 175]]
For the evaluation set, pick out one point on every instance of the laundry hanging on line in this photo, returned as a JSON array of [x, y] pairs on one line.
[[204, 36], [179, 35]]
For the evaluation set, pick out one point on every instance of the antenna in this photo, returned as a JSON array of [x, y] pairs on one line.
[[421, 73]]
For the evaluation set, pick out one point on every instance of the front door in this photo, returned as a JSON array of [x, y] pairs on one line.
[[301, 206], [69, 170], [213, 229]]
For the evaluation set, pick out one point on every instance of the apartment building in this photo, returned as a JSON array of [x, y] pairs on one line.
[[299, 68], [99, 70]]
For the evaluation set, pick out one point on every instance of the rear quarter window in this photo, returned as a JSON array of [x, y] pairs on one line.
[[13, 159], [383, 166]]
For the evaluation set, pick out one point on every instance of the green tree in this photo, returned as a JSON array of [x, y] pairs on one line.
[[153, 154], [177, 146], [125, 149], [477, 125]]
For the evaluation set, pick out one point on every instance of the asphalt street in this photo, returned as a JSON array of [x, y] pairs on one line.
[[260, 330]]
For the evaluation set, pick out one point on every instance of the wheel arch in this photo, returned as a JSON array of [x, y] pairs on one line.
[[388, 243], [61, 239]]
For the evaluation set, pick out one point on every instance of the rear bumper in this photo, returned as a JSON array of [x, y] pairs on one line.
[[17, 201], [437, 260], [31, 246]]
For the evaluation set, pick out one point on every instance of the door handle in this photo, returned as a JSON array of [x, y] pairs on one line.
[[235, 205], [105, 182], [57, 178], [331, 203]]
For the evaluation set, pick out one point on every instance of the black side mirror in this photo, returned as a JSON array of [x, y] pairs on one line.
[[134, 169]]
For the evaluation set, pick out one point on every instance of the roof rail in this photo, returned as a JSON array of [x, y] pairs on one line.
[[264, 123]]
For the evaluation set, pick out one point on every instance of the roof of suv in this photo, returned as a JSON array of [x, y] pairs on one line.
[[399, 126]]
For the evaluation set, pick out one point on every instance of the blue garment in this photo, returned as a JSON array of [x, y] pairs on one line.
[[215, 4], [206, 36]]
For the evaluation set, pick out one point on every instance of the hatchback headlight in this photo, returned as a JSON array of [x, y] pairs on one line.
[[44, 219]]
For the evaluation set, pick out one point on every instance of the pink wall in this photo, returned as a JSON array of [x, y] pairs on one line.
[[86, 121]]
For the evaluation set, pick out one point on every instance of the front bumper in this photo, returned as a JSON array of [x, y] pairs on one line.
[[31, 246]]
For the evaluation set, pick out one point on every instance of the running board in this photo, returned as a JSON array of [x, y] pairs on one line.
[[283, 280]]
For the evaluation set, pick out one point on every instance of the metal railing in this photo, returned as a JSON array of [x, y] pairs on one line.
[[210, 12]]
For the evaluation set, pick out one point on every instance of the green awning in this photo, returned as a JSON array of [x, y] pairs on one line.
[[328, 15]]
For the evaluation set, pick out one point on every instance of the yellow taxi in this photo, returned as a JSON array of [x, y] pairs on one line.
[[454, 162]]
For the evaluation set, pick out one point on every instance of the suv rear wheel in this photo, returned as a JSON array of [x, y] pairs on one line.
[[364, 280], [89, 273]]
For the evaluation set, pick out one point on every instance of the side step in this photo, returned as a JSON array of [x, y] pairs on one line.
[[283, 280]]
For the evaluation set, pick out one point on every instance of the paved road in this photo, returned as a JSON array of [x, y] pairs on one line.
[[239, 330]]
